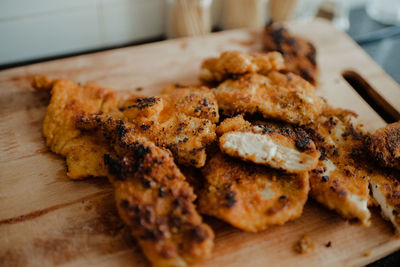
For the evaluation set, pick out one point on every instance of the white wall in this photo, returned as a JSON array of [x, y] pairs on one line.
[[32, 29]]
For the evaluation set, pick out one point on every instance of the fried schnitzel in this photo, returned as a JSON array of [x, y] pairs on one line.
[[384, 145], [285, 97], [287, 148], [83, 152], [181, 120], [299, 54], [231, 63], [152, 196], [251, 197], [340, 182]]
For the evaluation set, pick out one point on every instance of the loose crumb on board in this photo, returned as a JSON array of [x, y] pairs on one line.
[[367, 253], [138, 89], [184, 44], [42, 150], [304, 245], [329, 244]]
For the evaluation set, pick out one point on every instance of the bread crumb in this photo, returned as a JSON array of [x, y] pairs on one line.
[[367, 253], [304, 245]]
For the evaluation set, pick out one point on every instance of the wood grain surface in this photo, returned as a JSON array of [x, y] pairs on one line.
[[46, 219]]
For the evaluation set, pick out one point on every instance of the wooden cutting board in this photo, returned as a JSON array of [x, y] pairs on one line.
[[46, 219]]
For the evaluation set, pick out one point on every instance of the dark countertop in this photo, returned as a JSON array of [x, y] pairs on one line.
[[385, 52]]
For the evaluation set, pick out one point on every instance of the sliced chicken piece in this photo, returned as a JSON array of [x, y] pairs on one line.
[[290, 150], [251, 197], [342, 188], [232, 63], [384, 145], [340, 182], [285, 97], [83, 152], [385, 189], [152, 196]]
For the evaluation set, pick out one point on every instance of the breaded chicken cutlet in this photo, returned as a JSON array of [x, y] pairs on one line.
[[384, 145], [284, 148], [381, 147], [182, 120], [285, 97], [299, 54], [384, 185], [232, 63], [340, 182], [152, 196], [83, 152], [251, 197]]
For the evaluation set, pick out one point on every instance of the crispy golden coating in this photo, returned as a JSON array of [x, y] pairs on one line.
[[195, 101], [384, 145], [182, 121], [152, 196], [340, 182], [286, 148], [231, 63], [251, 197], [42, 83], [299, 54], [285, 97], [83, 152]]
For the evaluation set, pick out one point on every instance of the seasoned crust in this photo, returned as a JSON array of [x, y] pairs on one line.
[[285, 147], [251, 197], [285, 97], [181, 120], [384, 145], [340, 181], [299, 54], [83, 152], [232, 63], [195, 101], [152, 196]]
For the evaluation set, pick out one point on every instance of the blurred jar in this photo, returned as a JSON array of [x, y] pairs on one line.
[[282, 10], [384, 11], [244, 13], [188, 18]]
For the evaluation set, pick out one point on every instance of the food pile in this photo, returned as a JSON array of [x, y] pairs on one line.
[[260, 137]]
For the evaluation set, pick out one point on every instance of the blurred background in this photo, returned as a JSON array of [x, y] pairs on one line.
[[39, 30], [34, 31]]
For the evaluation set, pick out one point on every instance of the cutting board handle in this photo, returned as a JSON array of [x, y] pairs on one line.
[[371, 96]]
